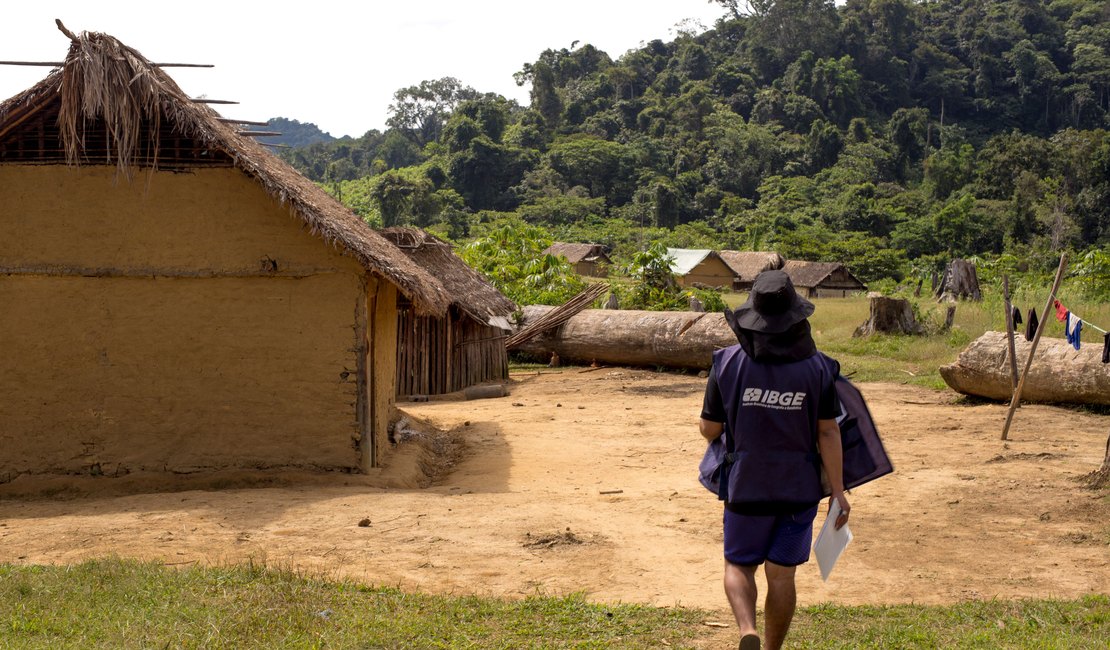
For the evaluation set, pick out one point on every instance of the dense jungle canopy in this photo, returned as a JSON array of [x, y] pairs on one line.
[[891, 135]]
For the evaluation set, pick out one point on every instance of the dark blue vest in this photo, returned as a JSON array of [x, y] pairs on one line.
[[771, 411]]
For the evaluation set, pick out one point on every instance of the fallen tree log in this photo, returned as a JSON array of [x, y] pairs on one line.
[[673, 339], [1059, 373]]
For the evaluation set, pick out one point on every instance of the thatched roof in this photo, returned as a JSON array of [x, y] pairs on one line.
[[125, 101], [811, 274], [748, 264], [575, 253], [468, 289]]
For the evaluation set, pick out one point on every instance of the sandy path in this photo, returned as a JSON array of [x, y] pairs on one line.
[[586, 481]]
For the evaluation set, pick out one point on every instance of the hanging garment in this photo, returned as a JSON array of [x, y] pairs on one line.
[[1073, 329], [1106, 348], [1031, 325], [1016, 317], [1061, 310]]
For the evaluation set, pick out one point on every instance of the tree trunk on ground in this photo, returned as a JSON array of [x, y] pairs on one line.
[[673, 339], [1059, 373], [889, 315]]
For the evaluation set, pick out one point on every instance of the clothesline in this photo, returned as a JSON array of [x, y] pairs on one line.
[[1093, 326], [1082, 320]]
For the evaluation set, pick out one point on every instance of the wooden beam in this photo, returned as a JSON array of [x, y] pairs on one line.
[[228, 120], [58, 64], [202, 100], [1010, 331], [364, 358], [1033, 349], [255, 134]]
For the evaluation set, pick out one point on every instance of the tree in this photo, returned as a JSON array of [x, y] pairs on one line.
[[779, 35], [421, 111]]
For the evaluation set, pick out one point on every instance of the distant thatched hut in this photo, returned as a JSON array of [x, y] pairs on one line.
[[748, 264], [464, 347], [822, 279], [587, 259], [700, 268], [218, 311]]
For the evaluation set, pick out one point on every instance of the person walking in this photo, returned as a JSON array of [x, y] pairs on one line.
[[773, 402]]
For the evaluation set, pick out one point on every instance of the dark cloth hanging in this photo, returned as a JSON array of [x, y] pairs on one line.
[[1106, 348], [1031, 325], [1016, 317]]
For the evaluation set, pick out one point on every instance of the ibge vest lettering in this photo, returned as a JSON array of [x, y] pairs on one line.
[[773, 399]]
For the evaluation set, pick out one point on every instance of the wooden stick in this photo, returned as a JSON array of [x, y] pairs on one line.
[[58, 64], [1010, 333], [203, 100], [1033, 348], [228, 120], [255, 134]]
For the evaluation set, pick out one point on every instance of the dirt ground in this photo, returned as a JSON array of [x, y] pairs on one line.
[[584, 480]]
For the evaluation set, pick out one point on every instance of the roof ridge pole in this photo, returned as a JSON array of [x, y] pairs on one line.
[[71, 35]]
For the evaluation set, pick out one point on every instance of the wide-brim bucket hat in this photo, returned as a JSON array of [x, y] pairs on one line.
[[773, 306]]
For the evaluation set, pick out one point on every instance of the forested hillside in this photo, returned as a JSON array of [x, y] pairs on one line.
[[887, 134], [294, 133]]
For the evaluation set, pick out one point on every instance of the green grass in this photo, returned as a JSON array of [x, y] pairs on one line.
[[1041, 624], [127, 604]]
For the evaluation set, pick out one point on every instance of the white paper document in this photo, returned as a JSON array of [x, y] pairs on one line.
[[831, 542]]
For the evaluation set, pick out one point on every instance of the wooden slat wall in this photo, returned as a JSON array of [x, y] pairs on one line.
[[444, 355]]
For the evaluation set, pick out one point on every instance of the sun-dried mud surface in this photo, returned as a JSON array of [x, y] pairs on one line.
[[584, 480]]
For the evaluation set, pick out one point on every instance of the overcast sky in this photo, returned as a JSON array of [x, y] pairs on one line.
[[337, 64]]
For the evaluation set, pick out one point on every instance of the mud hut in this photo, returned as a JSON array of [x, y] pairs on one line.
[[822, 279], [176, 298], [587, 259], [465, 346], [748, 264], [700, 268]]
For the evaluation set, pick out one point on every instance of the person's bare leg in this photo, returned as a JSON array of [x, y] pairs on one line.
[[778, 610], [741, 591]]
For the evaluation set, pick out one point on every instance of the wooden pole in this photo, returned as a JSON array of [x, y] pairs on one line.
[[228, 120], [58, 64], [1010, 332], [1033, 348]]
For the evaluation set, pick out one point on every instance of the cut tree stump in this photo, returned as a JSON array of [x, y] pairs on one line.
[[1100, 478], [960, 281], [891, 316]]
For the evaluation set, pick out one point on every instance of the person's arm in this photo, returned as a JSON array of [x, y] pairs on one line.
[[711, 430], [712, 410], [832, 458]]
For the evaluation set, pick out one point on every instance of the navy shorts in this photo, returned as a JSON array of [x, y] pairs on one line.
[[782, 539]]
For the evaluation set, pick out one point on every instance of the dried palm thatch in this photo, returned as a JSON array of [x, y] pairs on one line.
[[105, 82], [575, 252], [106, 85], [469, 290], [748, 264]]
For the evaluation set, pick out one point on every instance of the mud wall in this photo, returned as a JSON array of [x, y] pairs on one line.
[[182, 322], [712, 272]]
